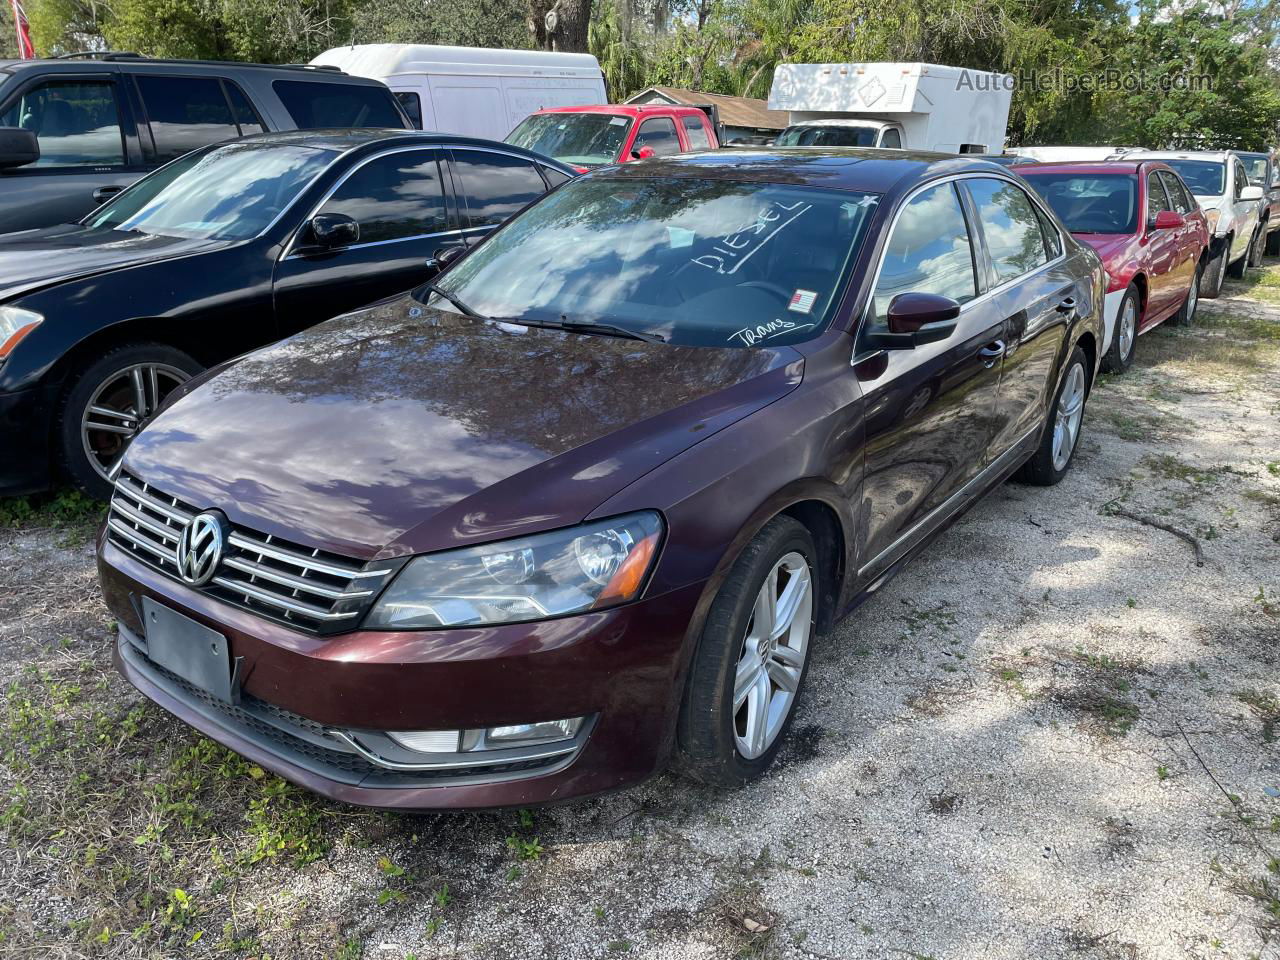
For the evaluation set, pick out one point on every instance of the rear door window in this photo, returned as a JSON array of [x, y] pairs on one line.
[[929, 252], [659, 133], [393, 197], [76, 121], [317, 105], [696, 133], [1010, 226], [246, 117], [185, 113], [493, 187]]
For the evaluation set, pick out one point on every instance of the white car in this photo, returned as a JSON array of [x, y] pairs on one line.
[[1231, 204]]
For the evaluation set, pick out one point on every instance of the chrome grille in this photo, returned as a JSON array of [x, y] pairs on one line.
[[306, 588]]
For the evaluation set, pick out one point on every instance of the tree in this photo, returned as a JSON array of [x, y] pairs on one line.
[[66, 26], [572, 23], [472, 23], [1222, 90]]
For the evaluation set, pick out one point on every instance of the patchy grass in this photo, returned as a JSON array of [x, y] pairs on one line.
[[1099, 690], [1266, 707], [1169, 467], [147, 825], [66, 510]]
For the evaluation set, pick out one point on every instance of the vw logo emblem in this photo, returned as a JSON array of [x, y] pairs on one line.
[[200, 548]]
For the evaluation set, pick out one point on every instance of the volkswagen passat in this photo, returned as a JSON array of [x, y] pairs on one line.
[[583, 506]]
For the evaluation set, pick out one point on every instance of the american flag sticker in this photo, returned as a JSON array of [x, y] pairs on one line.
[[802, 301]]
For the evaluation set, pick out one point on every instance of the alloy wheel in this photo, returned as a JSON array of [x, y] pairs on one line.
[[1066, 424], [773, 656], [120, 407], [1128, 327]]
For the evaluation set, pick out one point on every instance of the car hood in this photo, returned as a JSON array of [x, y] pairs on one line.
[[31, 259], [401, 429]]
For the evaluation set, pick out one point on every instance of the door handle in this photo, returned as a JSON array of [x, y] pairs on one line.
[[103, 194], [1066, 305], [992, 353]]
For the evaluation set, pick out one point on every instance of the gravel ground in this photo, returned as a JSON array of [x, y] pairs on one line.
[[1067, 748]]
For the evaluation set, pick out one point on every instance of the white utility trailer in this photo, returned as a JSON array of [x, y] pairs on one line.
[[915, 106], [473, 91]]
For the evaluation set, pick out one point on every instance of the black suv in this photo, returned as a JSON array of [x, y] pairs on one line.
[[101, 121]]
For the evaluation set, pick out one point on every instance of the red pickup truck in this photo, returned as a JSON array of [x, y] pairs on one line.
[[586, 137]]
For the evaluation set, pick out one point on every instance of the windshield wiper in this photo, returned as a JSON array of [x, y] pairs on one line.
[[587, 326], [429, 286]]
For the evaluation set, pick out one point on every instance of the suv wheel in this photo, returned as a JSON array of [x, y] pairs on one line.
[[1273, 242], [107, 402], [1255, 247], [1057, 449], [1214, 268], [751, 659], [1236, 269], [1120, 357]]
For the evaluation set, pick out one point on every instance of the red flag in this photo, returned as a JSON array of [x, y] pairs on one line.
[[25, 48]]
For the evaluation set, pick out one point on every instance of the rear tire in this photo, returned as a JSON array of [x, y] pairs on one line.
[[1124, 341], [1187, 312], [1211, 282], [735, 669], [1051, 460], [88, 442]]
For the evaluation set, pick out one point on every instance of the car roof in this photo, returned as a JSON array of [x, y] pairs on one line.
[[862, 169], [626, 109], [1205, 156], [345, 140], [1090, 166]]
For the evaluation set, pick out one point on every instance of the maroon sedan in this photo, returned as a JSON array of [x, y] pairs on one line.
[[584, 506], [1148, 229]]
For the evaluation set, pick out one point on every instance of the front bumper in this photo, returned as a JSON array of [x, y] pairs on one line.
[[26, 418], [621, 667]]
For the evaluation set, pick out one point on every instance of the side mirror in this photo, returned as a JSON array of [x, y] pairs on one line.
[[330, 230], [445, 257], [1168, 220], [916, 319], [644, 153], [1251, 193], [18, 147]]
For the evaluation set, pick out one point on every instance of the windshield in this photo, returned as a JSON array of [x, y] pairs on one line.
[[229, 193], [1255, 165], [1090, 202], [824, 136], [1204, 177], [698, 262], [587, 139]]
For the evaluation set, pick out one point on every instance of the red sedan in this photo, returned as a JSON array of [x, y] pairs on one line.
[[1150, 233]]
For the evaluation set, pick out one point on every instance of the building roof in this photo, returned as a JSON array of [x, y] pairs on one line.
[[733, 111]]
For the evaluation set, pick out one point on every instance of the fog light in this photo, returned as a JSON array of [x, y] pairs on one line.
[[427, 741], [534, 732]]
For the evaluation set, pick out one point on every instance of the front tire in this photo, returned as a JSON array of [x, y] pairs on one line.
[[1273, 243], [1119, 357], [1237, 269], [1214, 269], [752, 659], [1255, 247], [106, 403], [1057, 449]]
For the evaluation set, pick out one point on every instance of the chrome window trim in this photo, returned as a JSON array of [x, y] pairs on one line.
[[990, 291], [289, 250], [360, 165]]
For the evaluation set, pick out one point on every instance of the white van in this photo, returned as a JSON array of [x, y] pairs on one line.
[[473, 91], [914, 106]]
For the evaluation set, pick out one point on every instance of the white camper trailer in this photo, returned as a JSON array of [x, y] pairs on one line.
[[916, 106], [472, 91]]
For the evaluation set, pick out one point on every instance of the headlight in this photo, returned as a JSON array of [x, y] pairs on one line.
[[589, 567], [16, 323]]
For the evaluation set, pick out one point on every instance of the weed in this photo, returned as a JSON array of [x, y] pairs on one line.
[[1162, 772], [1266, 708]]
